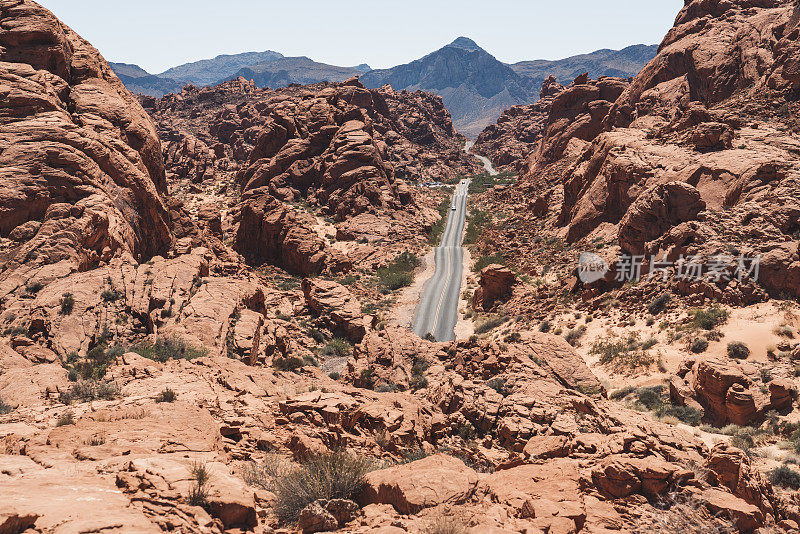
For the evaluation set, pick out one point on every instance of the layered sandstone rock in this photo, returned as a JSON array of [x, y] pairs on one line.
[[81, 170], [701, 120], [729, 392], [496, 283]]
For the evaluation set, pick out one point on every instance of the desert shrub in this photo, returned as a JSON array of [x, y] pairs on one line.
[[490, 323], [699, 345], [412, 455], [785, 476], [399, 272], [395, 281], [386, 388], [438, 227], [65, 419], [679, 514], [335, 375], [109, 295], [622, 393], [288, 363], [498, 384], [419, 367], [513, 337], [685, 414], [34, 287], [628, 352], [169, 348], [476, 224], [367, 378], [651, 397], [658, 304], [167, 395], [765, 374], [545, 326], [573, 336], [316, 335], [465, 430], [198, 493], [90, 390], [5, 407], [744, 437], [67, 303], [334, 475], [418, 382], [337, 347], [709, 318], [485, 261], [784, 330], [738, 350], [445, 524]]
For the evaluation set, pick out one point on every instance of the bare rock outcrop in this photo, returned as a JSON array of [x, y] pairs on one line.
[[496, 283], [81, 171]]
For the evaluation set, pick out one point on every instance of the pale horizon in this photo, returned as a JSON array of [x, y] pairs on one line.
[[158, 35]]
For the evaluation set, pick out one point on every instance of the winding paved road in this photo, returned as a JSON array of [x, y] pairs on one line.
[[437, 312]]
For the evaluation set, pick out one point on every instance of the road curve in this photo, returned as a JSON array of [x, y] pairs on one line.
[[437, 312]]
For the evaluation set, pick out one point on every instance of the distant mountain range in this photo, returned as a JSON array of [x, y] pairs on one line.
[[268, 69], [475, 86]]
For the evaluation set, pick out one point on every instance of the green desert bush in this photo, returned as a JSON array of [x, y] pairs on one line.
[[483, 326], [738, 350], [658, 304], [699, 345], [629, 351], [167, 395], [167, 348], [399, 272], [67, 303], [198, 493], [90, 390], [485, 261], [287, 363], [709, 318], [337, 347], [5, 407], [785, 476], [574, 336], [65, 419]]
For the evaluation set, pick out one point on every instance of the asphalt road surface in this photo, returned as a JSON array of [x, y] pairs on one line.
[[437, 312]]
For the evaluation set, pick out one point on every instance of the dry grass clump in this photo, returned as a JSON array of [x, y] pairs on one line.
[[333, 475]]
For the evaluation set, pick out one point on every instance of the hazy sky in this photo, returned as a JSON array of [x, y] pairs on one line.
[[158, 34]]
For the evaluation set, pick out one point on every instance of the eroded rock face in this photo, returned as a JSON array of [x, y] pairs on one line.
[[655, 212], [81, 171], [701, 114], [337, 304], [338, 147], [496, 283], [728, 392], [272, 232]]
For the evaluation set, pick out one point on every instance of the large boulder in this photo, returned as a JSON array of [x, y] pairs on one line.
[[655, 212], [434, 480], [496, 283], [337, 304]]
